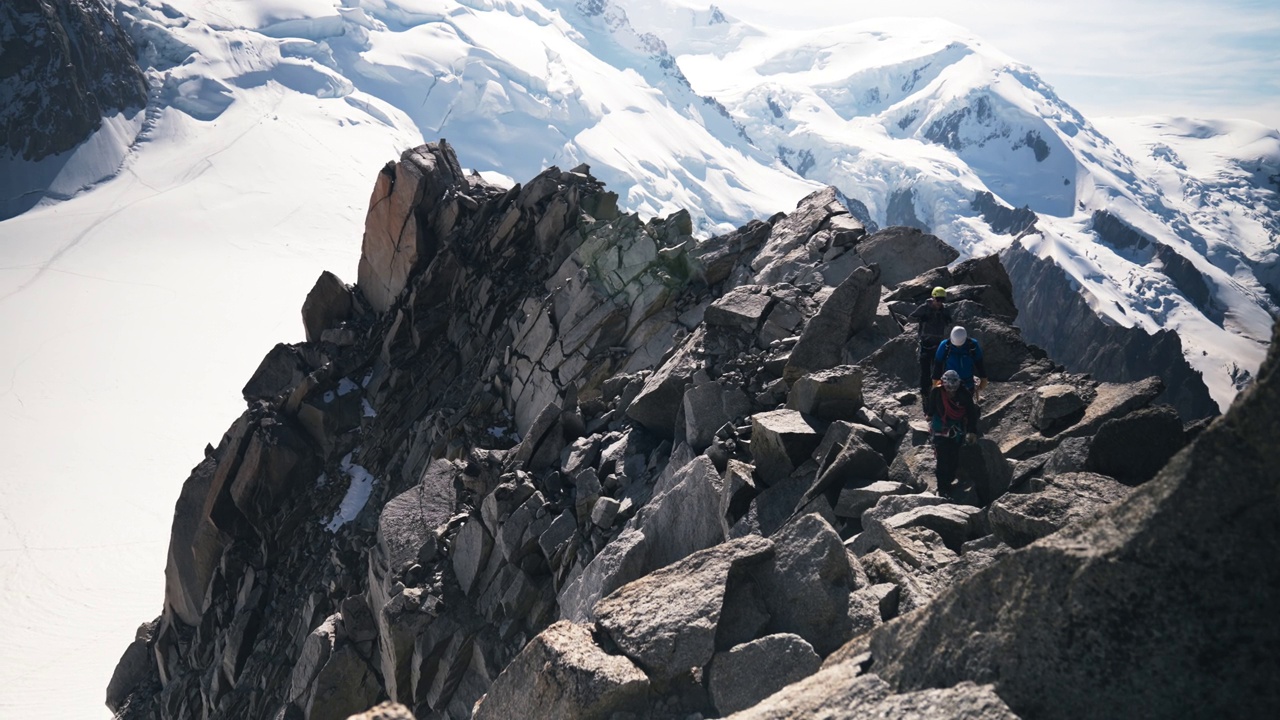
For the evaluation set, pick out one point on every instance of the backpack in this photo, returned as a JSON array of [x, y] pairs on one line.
[[933, 327], [960, 359]]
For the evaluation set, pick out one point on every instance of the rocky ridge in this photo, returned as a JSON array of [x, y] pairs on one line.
[[548, 460]]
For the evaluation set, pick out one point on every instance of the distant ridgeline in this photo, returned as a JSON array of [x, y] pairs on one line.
[[547, 460]]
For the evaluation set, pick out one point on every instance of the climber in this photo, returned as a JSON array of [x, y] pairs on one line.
[[934, 319], [953, 420], [964, 355]]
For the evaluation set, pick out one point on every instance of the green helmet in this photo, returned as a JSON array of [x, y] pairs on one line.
[[940, 292]]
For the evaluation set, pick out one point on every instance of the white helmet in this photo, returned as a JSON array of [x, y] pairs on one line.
[[959, 336]]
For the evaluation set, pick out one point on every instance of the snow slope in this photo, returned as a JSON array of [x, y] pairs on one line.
[[174, 248], [131, 315]]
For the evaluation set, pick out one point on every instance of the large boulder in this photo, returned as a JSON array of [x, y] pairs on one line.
[[776, 504], [666, 622], [834, 394], [413, 518], [681, 519], [809, 586], [1114, 400], [1069, 457], [659, 401], [621, 561], [852, 502], [953, 523], [742, 309], [684, 518], [1054, 405], [1132, 449], [904, 252], [839, 692], [781, 441], [849, 309], [788, 255], [396, 241], [330, 680], [344, 684], [329, 303], [842, 691], [853, 463], [204, 519], [407, 523], [1019, 519], [707, 407], [985, 468], [280, 371], [717, 256], [563, 675], [277, 460], [1160, 606], [134, 668], [748, 673]]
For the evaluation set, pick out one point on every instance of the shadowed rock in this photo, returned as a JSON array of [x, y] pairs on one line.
[[67, 66], [809, 586], [660, 398], [849, 309], [1132, 449], [330, 302]]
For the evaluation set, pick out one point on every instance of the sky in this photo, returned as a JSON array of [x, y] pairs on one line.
[[1107, 58]]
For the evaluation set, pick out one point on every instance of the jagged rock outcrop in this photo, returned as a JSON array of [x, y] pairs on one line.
[[1056, 317], [547, 460], [1189, 281], [63, 67]]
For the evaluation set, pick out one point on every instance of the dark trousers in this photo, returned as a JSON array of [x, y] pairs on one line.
[[947, 453], [926, 369]]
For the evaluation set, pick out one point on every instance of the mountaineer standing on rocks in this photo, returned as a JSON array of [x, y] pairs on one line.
[[934, 318], [953, 420], [962, 354]]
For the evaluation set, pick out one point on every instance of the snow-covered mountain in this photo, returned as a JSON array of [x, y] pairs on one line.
[[675, 105], [205, 216]]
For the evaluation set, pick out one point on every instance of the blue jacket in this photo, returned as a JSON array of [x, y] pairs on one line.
[[965, 359]]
